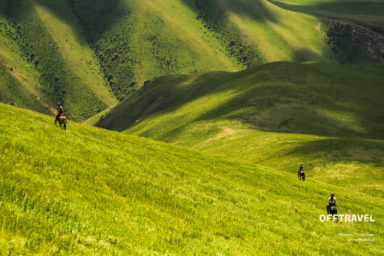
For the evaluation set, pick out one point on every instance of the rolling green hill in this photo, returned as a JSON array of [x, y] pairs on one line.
[[92, 54], [44, 57], [329, 117], [89, 191]]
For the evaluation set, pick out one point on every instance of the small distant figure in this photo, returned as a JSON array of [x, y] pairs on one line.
[[60, 117], [331, 206], [300, 173]]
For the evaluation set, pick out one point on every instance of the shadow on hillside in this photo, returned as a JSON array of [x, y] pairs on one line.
[[166, 94], [351, 11], [340, 150], [215, 11], [303, 55], [319, 104], [94, 16], [321, 101]]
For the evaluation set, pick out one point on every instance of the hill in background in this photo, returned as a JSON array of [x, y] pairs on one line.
[[328, 117], [92, 54]]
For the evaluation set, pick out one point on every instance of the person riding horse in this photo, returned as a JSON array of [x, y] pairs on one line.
[[60, 112], [61, 118], [300, 172], [331, 206]]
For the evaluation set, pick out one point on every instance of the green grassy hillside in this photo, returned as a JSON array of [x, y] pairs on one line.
[[89, 54], [329, 117], [19, 81], [48, 60], [88, 191]]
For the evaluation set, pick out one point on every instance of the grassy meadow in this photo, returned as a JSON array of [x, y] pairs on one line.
[[89, 191]]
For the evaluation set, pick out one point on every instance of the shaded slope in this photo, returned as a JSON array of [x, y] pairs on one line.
[[90, 191]]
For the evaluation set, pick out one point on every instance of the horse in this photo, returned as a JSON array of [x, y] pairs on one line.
[[63, 122], [332, 210], [301, 175]]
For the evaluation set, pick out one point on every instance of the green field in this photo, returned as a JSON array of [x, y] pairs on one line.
[[88, 191], [91, 54]]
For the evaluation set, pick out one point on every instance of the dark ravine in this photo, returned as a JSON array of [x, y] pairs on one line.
[[352, 43]]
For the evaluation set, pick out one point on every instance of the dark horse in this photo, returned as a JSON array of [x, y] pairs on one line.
[[301, 175], [332, 209], [62, 121]]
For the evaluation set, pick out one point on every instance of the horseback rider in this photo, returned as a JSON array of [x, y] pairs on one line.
[[301, 169], [331, 203], [60, 112], [300, 173]]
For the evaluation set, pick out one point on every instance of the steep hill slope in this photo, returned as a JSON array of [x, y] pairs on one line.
[[90, 191], [329, 117], [47, 59], [89, 54]]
